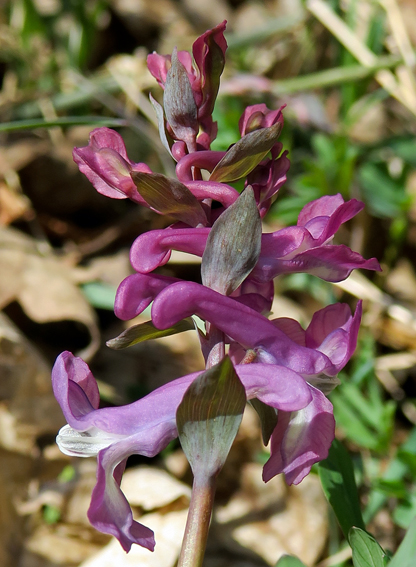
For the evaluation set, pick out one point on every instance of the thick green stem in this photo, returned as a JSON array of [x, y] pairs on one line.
[[197, 524]]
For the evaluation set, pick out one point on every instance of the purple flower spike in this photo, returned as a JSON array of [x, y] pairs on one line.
[[106, 164], [301, 439]]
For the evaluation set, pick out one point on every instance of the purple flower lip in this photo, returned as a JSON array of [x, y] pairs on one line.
[[301, 439]]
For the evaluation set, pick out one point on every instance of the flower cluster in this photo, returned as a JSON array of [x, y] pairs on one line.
[[288, 369]]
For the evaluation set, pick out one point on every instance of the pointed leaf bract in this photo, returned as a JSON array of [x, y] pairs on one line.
[[146, 331], [161, 123], [233, 245], [179, 103], [209, 416], [244, 155], [169, 197], [268, 418]]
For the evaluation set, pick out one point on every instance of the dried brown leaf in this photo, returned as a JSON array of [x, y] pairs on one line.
[[41, 284]]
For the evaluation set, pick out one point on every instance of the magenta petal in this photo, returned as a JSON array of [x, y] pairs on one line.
[[325, 321], [159, 66], [301, 439], [152, 249], [259, 116], [275, 246], [209, 54], [136, 292], [323, 227], [201, 45], [291, 329], [330, 263]]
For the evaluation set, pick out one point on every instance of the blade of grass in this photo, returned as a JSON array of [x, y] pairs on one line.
[[68, 100], [33, 123], [261, 34], [335, 76], [323, 12]]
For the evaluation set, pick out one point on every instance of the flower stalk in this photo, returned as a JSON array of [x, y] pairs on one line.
[[197, 524]]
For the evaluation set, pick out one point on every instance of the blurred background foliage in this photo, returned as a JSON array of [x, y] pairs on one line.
[[345, 70]]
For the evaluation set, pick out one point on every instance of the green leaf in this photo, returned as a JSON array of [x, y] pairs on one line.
[[289, 561], [385, 197], [338, 482], [406, 554], [208, 418], [146, 331], [248, 152], [366, 552], [233, 245], [169, 197], [396, 471], [51, 514], [100, 295], [404, 513], [31, 124]]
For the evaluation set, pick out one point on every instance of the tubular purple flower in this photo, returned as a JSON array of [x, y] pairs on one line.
[[106, 164], [144, 427], [152, 249], [305, 248], [292, 249], [241, 323]]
